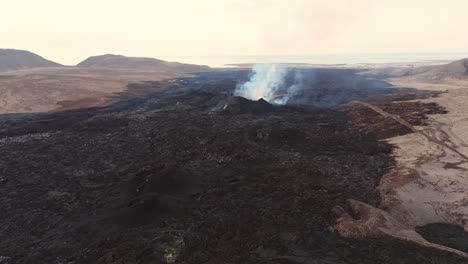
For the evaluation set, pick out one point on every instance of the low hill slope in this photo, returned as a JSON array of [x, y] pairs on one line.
[[119, 61], [11, 60], [454, 70]]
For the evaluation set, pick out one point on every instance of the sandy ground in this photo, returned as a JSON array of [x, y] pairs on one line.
[[430, 181], [48, 89]]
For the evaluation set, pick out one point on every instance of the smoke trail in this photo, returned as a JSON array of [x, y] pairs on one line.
[[291, 91], [265, 81]]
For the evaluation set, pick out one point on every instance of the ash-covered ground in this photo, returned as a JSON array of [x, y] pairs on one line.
[[194, 175]]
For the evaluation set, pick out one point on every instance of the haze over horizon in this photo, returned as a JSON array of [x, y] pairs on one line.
[[68, 32]]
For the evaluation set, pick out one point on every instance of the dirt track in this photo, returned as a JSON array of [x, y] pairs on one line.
[[427, 188], [434, 166], [431, 138], [400, 178]]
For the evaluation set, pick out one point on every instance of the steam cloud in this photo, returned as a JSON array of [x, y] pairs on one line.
[[318, 87], [268, 81]]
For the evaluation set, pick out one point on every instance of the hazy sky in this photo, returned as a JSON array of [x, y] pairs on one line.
[[69, 31]]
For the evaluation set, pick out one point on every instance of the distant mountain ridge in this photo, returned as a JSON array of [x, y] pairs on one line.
[[119, 61], [11, 60]]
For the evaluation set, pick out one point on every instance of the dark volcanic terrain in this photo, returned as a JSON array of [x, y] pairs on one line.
[[193, 175]]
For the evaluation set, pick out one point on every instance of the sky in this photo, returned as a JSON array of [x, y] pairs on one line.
[[69, 31]]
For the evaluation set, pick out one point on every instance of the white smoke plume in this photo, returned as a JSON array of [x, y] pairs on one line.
[[266, 81]]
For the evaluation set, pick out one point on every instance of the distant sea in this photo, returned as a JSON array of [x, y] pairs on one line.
[[330, 59]]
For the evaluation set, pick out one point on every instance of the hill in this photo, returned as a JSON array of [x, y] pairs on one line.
[[119, 61], [11, 60], [454, 70], [457, 68]]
